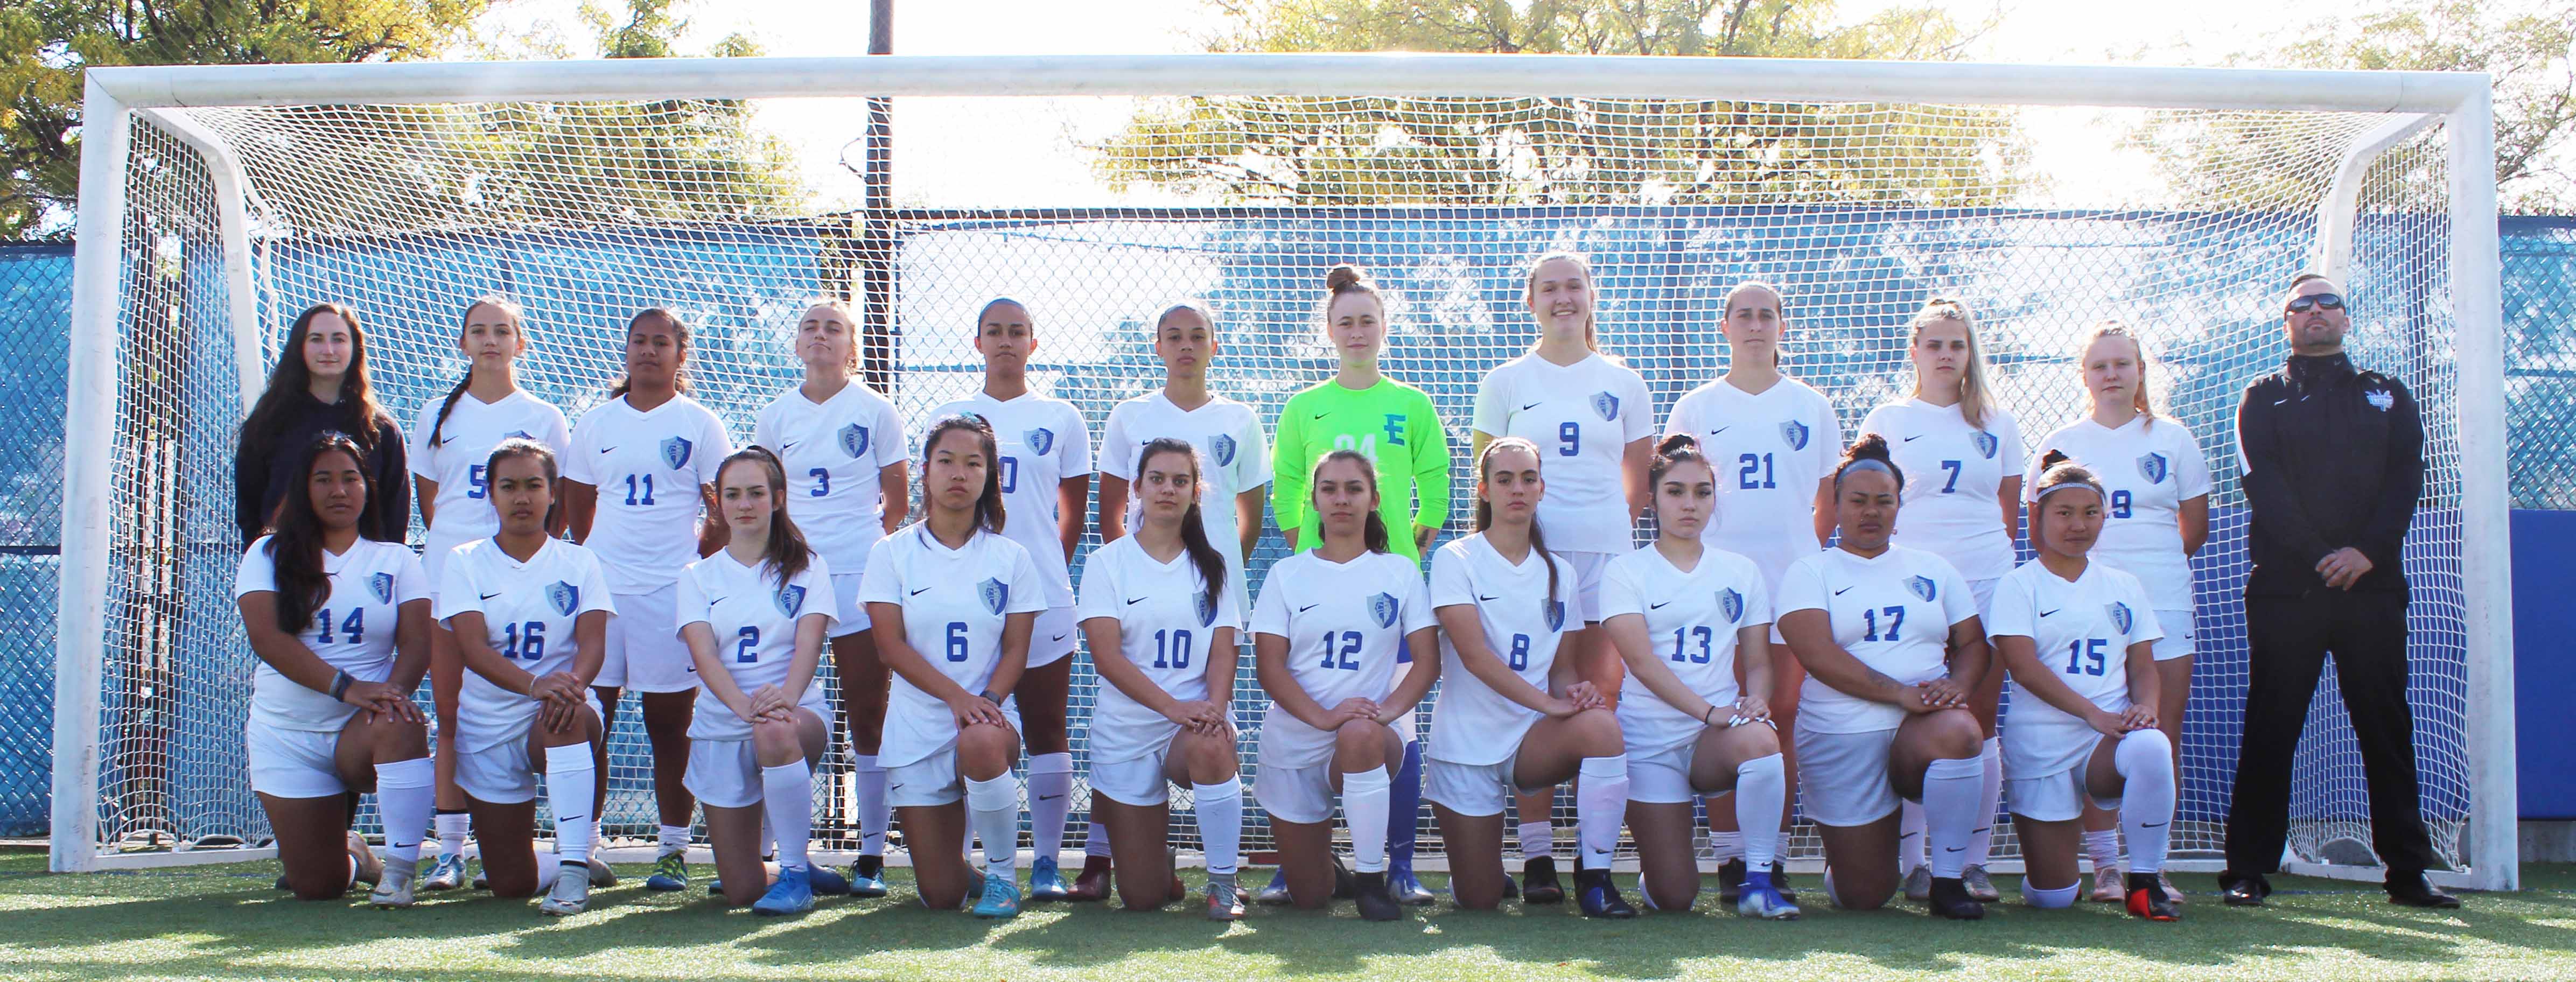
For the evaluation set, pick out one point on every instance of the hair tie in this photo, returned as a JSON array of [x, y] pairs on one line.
[[1865, 464], [2063, 485]]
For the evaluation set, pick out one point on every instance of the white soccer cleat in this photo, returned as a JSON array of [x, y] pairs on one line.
[[394, 890], [2109, 887], [571, 894]]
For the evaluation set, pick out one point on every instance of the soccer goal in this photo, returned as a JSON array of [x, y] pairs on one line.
[[217, 202]]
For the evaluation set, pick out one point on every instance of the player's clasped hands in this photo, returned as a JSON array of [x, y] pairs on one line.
[[382, 702], [2133, 719], [971, 709], [562, 693], [769, 703], [1935, 695], [1197, 716]]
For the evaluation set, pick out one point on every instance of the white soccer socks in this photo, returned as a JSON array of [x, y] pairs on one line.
[[2103, 848], [993, 815], [787, 800], [1951, 790], [1981, 842], [1538, 839], [1761, 787], [1909, 837], [671, 838], [1095, 843], [570, 770], [1600, 807], [1220, 812], [451, 829], [1365, 797], [405, 796], [868, 784], [2144, 759], [1050, 799]]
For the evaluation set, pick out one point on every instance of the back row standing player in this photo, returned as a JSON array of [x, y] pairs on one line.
[[1045, 474], [1590, 416], [1965, 455], [1773, 442], [842, 446]]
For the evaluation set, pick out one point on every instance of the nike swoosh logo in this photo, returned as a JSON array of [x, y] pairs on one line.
[[2048, 612], [1138, 600], [1721, 429], [2280, 402], [1954, 848], [1049, 797], [919, 592], [489, 596], [1842, 591], [567, 819], [1057, 638], [1911, 439], [606, 449], [1657, 606], [1305, 608], [1532, 406], [716, 601], [894, 787], [1320, 416], [2152, 825], [785, 447], [1481, 598]]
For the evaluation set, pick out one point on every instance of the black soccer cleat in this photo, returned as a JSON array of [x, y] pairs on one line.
[[2243, 890], [1376, 903], [1598, 897], [1538, 882], [1730, 881], [1950, 899]]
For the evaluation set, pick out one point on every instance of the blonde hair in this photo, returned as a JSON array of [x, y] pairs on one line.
[[1974, 401], [1591, 289], [2138, 398], [848, 316], [1779, 307]]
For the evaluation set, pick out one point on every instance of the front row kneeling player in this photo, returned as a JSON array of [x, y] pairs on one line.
[[1516, 714], [1713, 607], [530, 614], [2079, 639], [1162, 601], [340, 623], [755, 616]]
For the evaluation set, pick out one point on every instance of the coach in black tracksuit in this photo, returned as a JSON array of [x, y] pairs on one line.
[[2332, 461]]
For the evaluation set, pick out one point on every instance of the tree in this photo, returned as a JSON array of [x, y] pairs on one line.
[[2238, 161], [1565, 150]]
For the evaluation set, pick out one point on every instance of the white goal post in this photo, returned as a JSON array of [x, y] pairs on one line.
[[2406, 104]]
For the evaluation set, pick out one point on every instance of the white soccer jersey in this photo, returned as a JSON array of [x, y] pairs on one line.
[[1165, 628], [1768, 452], [1582, 416], [753, 618], [954, 604], [1894, 613], [463, 509], [1345, 625], [529, 610], [2149, 472], [1234, 457], [1691, 624], [1043, 441], [1471, 723], [2082, 631], [353, 631], [1953, 475], [833, 451], [648, 467]]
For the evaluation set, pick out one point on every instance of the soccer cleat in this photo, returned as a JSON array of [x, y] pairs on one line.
[[2107, 887], [1780, 883], [670, 872], [1765, 903], [1596, 896], [1376, 903], [1045, 881], [282, 884], [1918, 884], [792, 894], [1730, 880], [1538, 882], [571, 894], [481, 881], [1345, 883], [1092, 884], [867, 877], [600, 874], [1401, 884], [370, 867], [1979, 887], [1224, 901], [2147, 899], [2171, 892], [825, 882], [1950, 899], [1274, 893], [446, 874], [1001, 898], [394, 890], [2243, 891]]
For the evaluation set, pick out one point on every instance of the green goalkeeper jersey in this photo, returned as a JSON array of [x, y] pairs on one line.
[[1390, 423]]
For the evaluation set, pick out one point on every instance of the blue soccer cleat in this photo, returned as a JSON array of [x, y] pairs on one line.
[[867, 877], [1001, 898], [826, 882], [792, 894], [670, 872], [1276, 892], [1046, 882], [1598, 897], [1763, 901]]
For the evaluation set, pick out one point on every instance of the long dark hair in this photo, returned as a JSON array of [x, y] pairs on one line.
[[989, 514], [1373, 533], [295, 534], [1675, 450], [518, 322], [1194, 538], [360, 413], [1485, 509], [786, 551], [679, 336]]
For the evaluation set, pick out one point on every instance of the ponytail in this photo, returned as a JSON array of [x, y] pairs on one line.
[[449, 406], [1485, 509], [1779, 311], [518, 321], [786, 551], [2058, 472], [2138, 399], [1194, 537]]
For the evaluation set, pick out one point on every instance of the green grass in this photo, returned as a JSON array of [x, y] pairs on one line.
[[225, 922]]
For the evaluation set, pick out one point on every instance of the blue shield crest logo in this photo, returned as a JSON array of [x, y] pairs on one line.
[[675, 453], [1794, 433], [1606, 406], [2154, 467], [1039, 440], [791, 599], [1221, 449], [383, 584], [1384, 608], [995, 594], [1731, 604], [1922, 586], [854, 440], [1206, 610], [1986, 443], [2121, 618], [565, 596], [1556, 615]]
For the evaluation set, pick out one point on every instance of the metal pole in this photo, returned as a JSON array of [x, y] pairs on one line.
[[876, 233]]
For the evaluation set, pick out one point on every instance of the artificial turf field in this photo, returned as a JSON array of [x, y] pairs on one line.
[[226, 922]]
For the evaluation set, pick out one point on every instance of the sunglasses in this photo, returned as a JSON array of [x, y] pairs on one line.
[[2328, 301]]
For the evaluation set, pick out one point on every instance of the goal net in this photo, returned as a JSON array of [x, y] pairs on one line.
[[229, 216]]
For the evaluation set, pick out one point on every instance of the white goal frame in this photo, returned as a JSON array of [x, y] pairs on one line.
[[2411, 101]]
